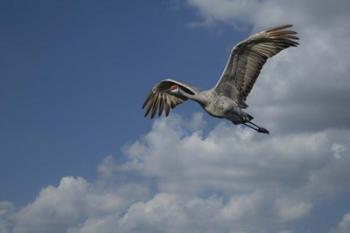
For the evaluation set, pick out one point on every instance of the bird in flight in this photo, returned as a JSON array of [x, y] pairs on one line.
[[227, 98]]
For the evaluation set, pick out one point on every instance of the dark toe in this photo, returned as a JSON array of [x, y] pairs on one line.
[[263, 130]]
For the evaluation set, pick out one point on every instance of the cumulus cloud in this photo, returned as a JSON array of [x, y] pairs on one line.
[[344, 225], [338, 150], [265, 12], [238, 12], [289, 210], [178, 179], [58, 208], [6, 210]]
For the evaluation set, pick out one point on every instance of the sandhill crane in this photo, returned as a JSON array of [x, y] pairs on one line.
[[227, 98]]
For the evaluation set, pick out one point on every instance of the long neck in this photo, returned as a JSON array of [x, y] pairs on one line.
[[196, 97]]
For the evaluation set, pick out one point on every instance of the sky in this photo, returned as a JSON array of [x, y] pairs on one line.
[[77, 155]]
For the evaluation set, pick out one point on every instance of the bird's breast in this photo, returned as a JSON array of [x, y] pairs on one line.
[[217, 107]]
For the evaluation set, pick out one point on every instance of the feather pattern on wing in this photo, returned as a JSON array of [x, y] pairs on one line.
[[247, 59], [161, 100]]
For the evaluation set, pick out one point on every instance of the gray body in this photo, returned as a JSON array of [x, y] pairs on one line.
[[220, 106], [227, 99]]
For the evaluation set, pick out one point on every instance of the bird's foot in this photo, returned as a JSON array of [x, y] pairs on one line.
[[263, 130], [256, 127]]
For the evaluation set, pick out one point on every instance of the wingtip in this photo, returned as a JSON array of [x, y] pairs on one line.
[[280, 27]]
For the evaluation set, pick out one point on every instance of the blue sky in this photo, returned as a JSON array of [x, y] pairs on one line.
[[77, 155], [75, 73]]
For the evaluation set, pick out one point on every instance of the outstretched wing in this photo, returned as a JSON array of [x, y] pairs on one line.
[[159, 99], [247, 59]]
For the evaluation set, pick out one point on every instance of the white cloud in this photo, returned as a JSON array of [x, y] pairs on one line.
[[177, 179], [267, 12], [237, 11], [231, 160], [290, 210], [338, 150], [176, 213], [6, 211], [58, 208], [344, 225]]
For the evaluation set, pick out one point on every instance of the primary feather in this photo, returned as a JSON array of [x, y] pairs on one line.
[[160, 100], [247, 59]]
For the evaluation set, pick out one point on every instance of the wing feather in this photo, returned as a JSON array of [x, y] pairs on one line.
[[161, 105], [247, 59], [161, 100], [167, 106]]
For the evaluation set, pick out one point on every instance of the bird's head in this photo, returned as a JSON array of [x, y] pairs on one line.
[[178, 91], [183, 93]]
